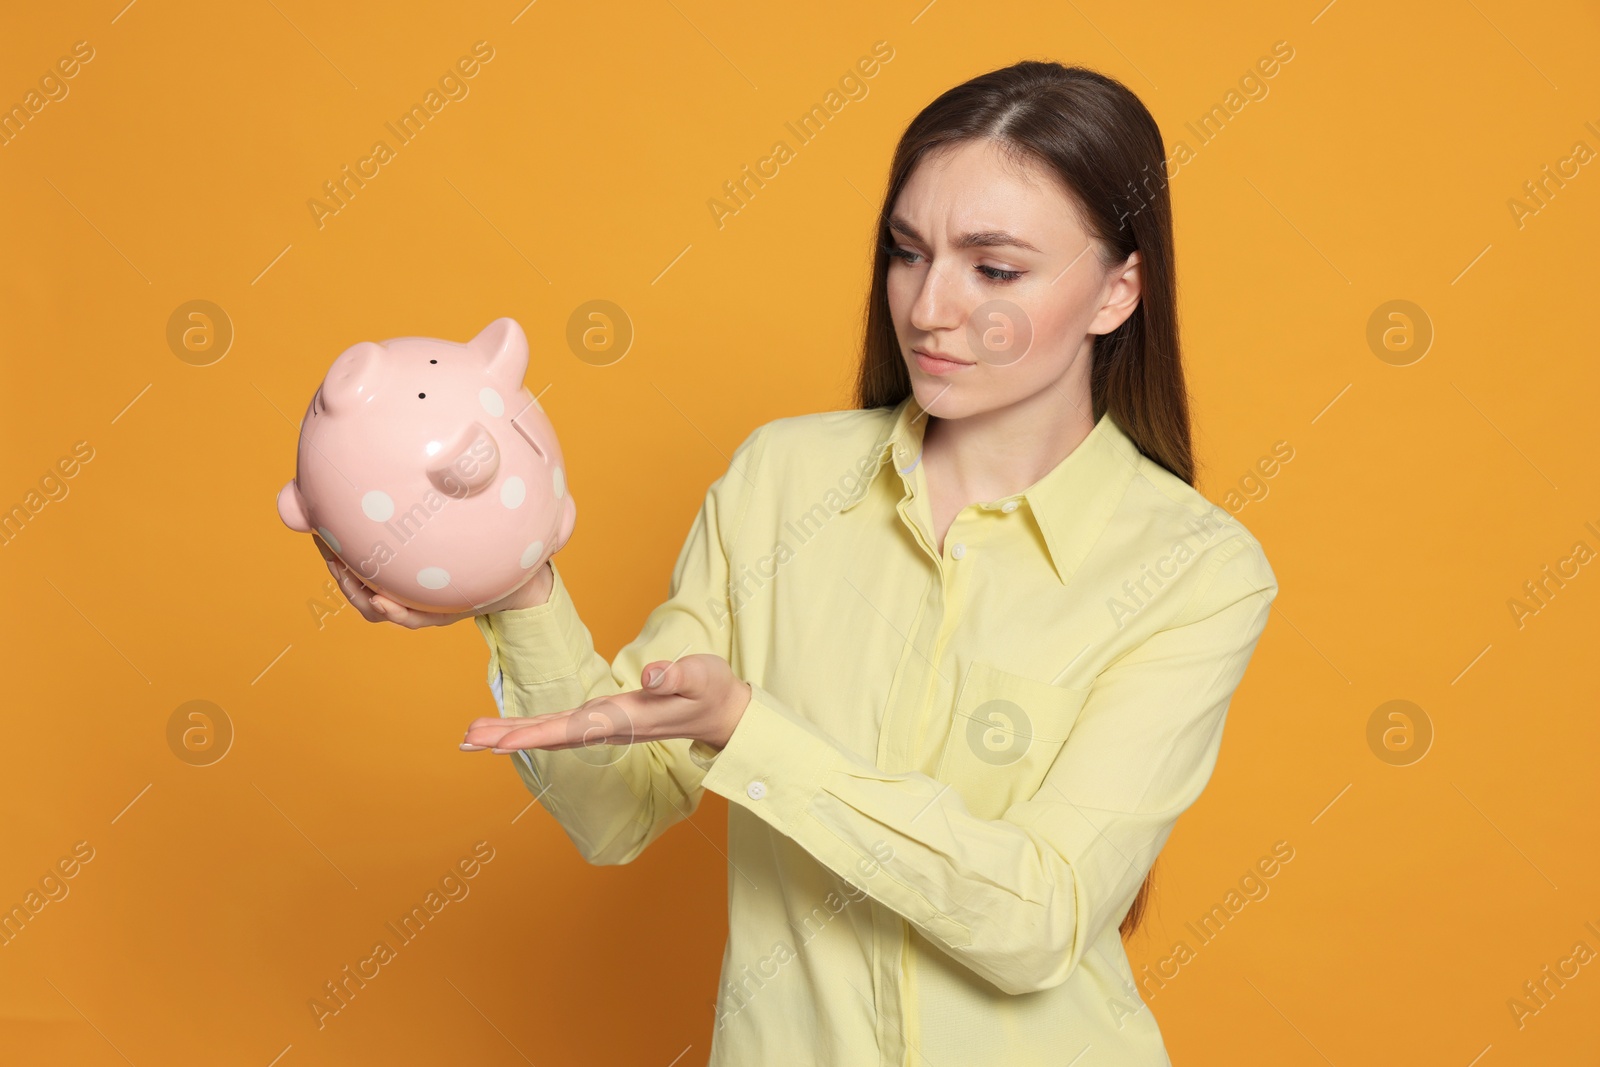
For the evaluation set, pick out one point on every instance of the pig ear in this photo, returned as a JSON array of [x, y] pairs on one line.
[[507, 348], [353, 377], [292, 508]]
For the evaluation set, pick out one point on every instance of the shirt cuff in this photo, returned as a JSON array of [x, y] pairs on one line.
[[773, 764], [539, 644]]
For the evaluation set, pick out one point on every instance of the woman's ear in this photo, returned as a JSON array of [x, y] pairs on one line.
[[1124, 287]]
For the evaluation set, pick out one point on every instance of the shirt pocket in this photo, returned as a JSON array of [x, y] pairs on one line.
[[1005, 734]]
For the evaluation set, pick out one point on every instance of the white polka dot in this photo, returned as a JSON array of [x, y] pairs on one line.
[[377, 506], [327, 536], [491, 402], [513, 493], [433, 577], [531, 554], [560, 482]]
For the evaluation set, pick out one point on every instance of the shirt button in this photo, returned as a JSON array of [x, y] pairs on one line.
[[958, 550], [1009, 506], [757, 790]]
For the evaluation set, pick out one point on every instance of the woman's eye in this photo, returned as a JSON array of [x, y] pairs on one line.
[[900, 253], [995, 274]]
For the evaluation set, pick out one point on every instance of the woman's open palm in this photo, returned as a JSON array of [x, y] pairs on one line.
[[695, 696]]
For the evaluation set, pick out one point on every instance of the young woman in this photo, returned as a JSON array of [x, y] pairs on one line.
[[958, 658]]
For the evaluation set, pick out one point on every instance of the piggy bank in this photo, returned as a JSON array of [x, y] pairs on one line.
[[430, 471]]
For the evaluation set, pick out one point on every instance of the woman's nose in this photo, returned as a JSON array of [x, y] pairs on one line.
[[937, 305]]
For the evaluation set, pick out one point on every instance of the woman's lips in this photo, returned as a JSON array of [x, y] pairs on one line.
[[937, 365]]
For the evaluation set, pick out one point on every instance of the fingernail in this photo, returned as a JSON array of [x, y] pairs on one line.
[[376, 606], [652, 677], [465, 747], [502, 751]]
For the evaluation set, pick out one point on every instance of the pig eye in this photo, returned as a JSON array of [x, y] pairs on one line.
[[433, 361], [421, 395]]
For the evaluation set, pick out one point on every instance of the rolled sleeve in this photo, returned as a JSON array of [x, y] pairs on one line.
[[544, 643], [774, 761]]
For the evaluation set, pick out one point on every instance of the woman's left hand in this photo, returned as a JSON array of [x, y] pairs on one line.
[[696, 696]]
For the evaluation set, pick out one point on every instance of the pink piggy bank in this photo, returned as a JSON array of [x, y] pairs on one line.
[[431, 471]]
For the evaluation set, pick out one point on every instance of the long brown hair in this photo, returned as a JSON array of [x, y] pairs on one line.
[[1102, 143]]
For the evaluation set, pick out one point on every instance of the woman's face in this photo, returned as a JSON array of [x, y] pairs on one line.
[[990, 267]]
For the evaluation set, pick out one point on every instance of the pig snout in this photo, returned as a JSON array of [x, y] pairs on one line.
[[466, 464]]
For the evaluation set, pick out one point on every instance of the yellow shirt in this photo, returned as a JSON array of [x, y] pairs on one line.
[[957, 767]]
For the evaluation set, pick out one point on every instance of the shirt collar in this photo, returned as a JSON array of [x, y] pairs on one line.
[[1071, 504]]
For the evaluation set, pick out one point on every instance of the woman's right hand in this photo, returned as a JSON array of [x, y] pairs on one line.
[[375, 607]]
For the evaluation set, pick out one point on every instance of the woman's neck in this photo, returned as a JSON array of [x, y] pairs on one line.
[[997, 453]]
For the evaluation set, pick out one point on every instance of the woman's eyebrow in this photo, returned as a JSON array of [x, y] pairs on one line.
[[980, 239]]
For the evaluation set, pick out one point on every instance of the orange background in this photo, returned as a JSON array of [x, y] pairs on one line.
[[1418, 501]]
